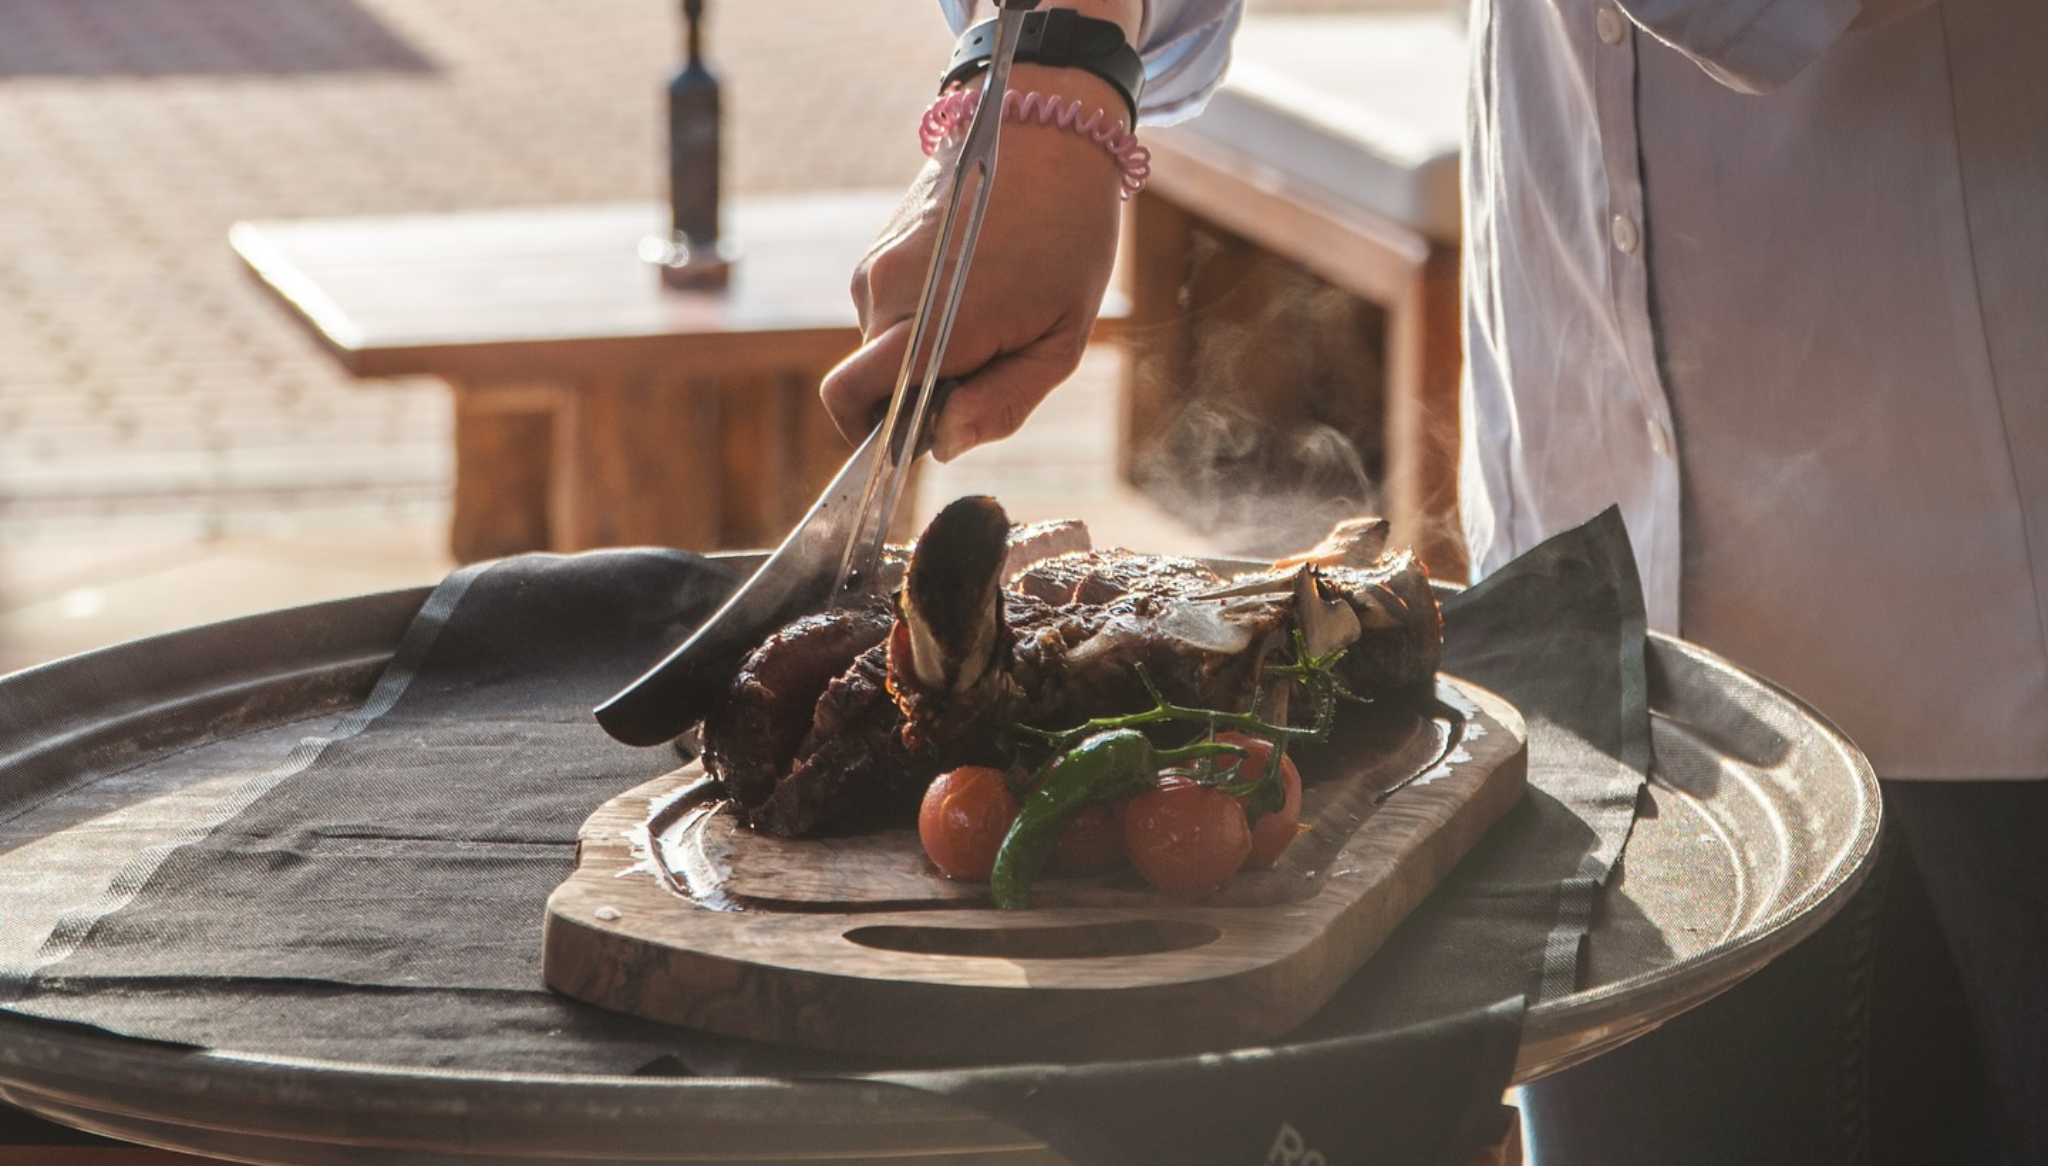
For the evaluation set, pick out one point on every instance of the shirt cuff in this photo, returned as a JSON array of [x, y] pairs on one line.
[[1185, 45]]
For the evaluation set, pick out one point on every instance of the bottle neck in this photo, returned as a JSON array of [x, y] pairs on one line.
[[693, 32]]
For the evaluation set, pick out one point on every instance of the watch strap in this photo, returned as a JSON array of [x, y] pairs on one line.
[[1061, 37]]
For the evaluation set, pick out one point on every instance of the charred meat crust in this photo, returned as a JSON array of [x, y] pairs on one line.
[[1034, 542], [833, 725], [853, 769], [1088, 660], [1102, 576], [949, 652], [809, 734], [959, 561], [1402, 658], [750, 737]]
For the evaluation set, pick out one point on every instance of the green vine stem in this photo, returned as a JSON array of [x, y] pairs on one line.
[[1106, 758]]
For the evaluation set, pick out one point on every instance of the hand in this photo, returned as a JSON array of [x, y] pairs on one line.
[[1040, 268]]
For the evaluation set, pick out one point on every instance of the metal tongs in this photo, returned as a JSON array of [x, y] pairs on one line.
[[834, 556]]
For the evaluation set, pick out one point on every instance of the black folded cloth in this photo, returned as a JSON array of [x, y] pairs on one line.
[[378, 896], [1408, 1063]]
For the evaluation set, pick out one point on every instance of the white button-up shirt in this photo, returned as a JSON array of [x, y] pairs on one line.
[[1779, 289]]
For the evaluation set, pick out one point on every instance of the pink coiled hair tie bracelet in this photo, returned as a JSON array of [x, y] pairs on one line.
[[953, 110]]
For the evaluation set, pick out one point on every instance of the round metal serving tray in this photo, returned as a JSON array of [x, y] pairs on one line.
[[1758, 822]]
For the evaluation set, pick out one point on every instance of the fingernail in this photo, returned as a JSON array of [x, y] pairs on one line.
[[950, 442]]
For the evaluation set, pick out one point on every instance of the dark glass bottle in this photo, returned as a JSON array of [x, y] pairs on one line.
[[693, 133]]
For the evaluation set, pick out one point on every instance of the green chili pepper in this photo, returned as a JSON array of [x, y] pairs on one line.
[[1098, 769], [1113, 764], [1107, 758]]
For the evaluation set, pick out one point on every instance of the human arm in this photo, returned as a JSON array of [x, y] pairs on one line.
[[1048, 242]]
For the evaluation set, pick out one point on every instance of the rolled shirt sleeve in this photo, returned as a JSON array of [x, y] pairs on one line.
[[1185, 44]]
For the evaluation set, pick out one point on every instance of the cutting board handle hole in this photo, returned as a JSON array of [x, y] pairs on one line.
[[1078, 942]]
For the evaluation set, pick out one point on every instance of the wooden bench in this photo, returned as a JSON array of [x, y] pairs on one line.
[[1332, 146], [593, 406]]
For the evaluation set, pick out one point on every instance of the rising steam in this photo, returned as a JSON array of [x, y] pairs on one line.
[[1274, 432]]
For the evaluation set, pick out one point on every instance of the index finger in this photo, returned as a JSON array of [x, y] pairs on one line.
[[854, 389]]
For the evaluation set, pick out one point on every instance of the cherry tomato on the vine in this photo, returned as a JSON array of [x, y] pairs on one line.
[[962, 821], [1184, 837], [1274, 829], [1092, 842]]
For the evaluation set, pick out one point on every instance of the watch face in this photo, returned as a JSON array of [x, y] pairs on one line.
[[1097, 38]]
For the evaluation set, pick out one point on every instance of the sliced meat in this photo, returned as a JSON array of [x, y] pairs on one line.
[[840, 721], [1102, 576], [1354, 542], [1401, 641], [853, 769], [752, 737], [1034, 542]]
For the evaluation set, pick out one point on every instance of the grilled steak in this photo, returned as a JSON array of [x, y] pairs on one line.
[[1101, 576], [842, 719], [750, 737]]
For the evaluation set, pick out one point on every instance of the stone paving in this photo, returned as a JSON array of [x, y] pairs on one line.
[[175, 449], [144, 381]]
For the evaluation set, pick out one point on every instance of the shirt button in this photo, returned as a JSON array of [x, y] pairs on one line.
[[1660, 441], [1610, 25], [1626, 236]]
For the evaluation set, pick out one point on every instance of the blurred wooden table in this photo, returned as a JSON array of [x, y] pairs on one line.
[[594, 406]]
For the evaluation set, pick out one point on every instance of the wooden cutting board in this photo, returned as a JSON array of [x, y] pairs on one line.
[[678, 914]]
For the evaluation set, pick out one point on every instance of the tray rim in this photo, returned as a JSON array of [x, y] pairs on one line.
[[148, 1086]]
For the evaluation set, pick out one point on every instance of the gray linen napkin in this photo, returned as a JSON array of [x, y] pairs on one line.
[[379, 898]]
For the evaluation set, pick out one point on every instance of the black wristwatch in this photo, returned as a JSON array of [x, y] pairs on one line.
[[1058, 36]]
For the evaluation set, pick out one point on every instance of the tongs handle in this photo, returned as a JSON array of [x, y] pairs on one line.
[[932, 326]]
